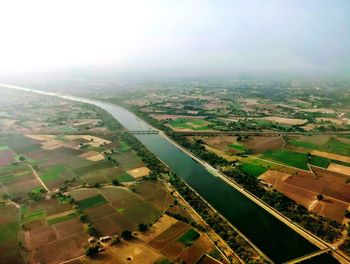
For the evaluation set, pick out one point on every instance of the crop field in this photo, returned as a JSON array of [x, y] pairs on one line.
[[6, 156], [303, 188], [9, 229], [52, 228], [114, 209], [168, 236], [126, 252], [188, 123], [252, 169], [162, 224], [17, 180], [91, 202], [155, 193], [295, 159], [336, 145], [189, 237], [339, 168]]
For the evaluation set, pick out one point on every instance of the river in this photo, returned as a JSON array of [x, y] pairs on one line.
[[278, 241]]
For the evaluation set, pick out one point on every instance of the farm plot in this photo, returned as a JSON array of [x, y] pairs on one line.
[[139, 172], [330, 144], [19, 143], [295, 159], [190, 124], [339, 168], [9, 229], [128, 160], [303, 188], [17, 180], [126, 252], [252, 169], [55, 175], [114, 209], [6, 156], [50, 229], [155, 193], [174, 232]]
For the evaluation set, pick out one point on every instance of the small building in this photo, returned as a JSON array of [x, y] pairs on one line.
[[105, 238], [92, 240]]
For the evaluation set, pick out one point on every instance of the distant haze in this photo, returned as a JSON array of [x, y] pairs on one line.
[[179, 37]]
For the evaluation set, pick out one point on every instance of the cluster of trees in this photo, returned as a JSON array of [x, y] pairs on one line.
[[217, 223], [197, 148], [318, 225], [185, 219]]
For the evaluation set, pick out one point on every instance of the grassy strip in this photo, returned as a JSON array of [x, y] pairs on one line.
[[60, 219], [238, 147], [91, 202], [36, 215]]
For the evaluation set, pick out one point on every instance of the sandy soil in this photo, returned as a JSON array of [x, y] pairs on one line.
[[92, 156], [94, 141], [284, 120], [163, 223], [173, 117], [336, 121], [331, 156], [133, 251], [139, 172], [339, 168]]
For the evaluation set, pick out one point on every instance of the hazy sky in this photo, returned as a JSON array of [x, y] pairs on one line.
[[195, 36]]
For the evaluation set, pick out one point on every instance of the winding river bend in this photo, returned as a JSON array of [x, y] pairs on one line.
[[278, 241]]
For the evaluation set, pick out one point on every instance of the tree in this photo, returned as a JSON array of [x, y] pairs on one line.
[[115, 182], [91, 251], [347, 214], [97, 185], [126, 234], [143, 227], [22, 158], [320, 197], [91, 230], [83, 218]]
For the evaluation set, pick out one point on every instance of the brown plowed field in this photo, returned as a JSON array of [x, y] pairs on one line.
[[304, 187], [169, 235], [197, 250]]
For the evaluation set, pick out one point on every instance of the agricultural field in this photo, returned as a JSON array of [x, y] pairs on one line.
[[297, 166], [66, 171], [51, 228], [188, 124]]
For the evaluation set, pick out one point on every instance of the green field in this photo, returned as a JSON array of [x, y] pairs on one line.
[[238, 147], [194, 124], [332, 145], [53, 173], [123, 147], [4, 147], [125, 177], [142, 213], [252, 169], [189, 237], [319, 161], [295, 159], [8, 231], [91, 202], [60, 219]]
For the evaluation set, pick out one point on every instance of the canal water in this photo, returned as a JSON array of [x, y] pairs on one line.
[[278, 241]]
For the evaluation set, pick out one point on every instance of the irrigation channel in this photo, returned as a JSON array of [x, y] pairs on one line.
[[273, 237]]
